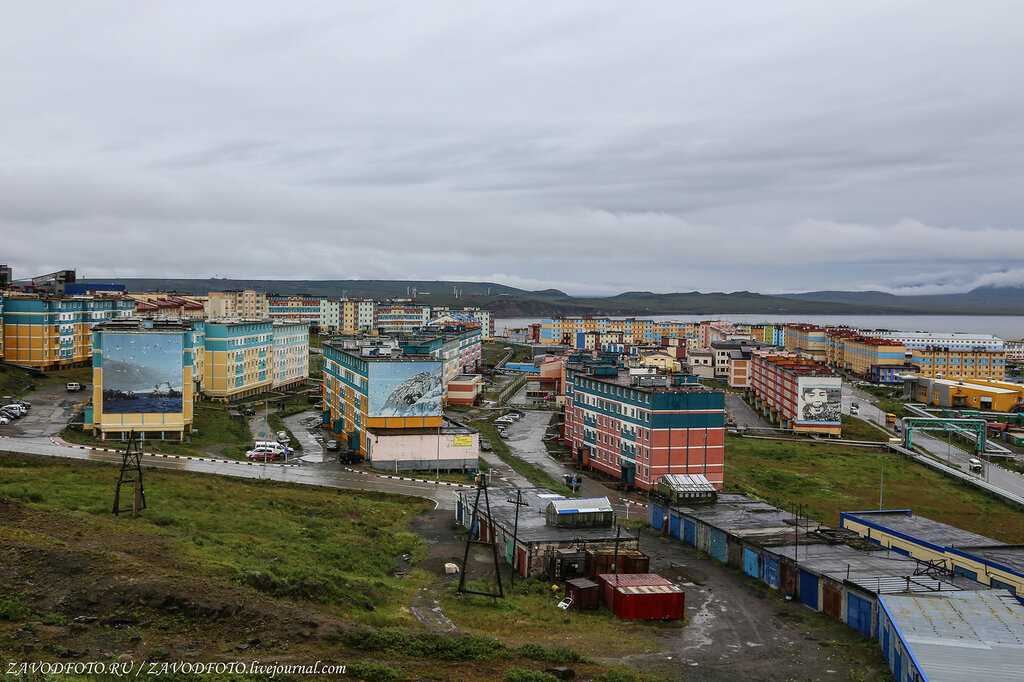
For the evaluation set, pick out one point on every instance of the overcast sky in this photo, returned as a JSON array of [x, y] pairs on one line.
[[595, 147]]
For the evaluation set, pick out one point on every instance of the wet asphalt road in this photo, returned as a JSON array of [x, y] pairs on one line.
[[324, 475]]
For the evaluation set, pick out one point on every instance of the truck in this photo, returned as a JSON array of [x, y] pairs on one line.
[[890, 419]]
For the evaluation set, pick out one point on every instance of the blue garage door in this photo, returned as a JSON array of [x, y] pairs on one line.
[[809, 589], [858, 614], [655, 514], [673, 526], [751, 563], [690, 532], [717, 546], [770, 571], [897, 665]]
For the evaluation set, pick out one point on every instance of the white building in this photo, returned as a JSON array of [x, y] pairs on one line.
[[290, 353], [330, 314], [1015, 350], [953, 341], [365, 312]]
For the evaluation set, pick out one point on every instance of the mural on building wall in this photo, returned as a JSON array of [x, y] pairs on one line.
[[142, 373], [819, 399], [405, 389]]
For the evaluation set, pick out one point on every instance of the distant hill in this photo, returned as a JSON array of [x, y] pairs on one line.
[[506, 301]]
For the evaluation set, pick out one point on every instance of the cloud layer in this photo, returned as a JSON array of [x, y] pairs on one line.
[[587, 146]]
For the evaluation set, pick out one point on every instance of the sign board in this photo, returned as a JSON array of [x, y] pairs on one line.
[[462, 441], [818, 400], [405, 389], [142, 372]]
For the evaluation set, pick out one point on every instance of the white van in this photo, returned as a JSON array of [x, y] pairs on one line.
[[73, 387], [272, 445], [975, 464]]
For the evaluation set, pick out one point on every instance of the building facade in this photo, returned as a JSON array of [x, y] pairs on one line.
[[49, 332], [638, 427], [955, 341], [330, 315], [796, 392], [142, 380], [807, 340], [566, 330], [302, 309], [247, 304], [290, 353], [400, 318], [238, 358], [945, 362]]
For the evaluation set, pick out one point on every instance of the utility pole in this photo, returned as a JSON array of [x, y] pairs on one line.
[[515, 540]]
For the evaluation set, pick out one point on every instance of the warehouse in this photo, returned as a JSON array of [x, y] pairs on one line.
[[977, 394], [534, 548], [953, 636]]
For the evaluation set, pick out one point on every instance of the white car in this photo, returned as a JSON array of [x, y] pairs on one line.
[[15, 407], [4, 420]]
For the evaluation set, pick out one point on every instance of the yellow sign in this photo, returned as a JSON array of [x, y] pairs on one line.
[[462, 441]]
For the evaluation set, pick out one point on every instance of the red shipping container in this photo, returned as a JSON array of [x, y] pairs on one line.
[[610, 581], [649, 602]]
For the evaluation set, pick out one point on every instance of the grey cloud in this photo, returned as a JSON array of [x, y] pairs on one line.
[[589, 146]]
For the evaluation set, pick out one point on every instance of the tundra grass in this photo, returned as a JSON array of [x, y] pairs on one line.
[[829, 478]]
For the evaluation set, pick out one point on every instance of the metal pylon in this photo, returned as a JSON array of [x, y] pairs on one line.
[[474, 522], [131, 474]]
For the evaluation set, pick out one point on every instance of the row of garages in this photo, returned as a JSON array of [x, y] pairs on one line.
[[802, 562]]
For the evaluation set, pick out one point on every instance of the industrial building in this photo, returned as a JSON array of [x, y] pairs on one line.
[[238, 358], [795, 392], [169, 307], [639, 424], [973, 394], [465, 389], [537, 539], [54, 331], [962, 552], [142, 380], [290, 353], [968, 636]]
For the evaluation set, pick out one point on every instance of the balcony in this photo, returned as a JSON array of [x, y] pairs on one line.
[[590, 437], [589, 421], [628, 434]]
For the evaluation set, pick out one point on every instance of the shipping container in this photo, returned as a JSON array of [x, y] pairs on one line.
[[585, 593], [649, 602], [610, 582], [603, 561]]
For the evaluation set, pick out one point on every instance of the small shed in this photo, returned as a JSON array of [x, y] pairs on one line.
[[686, 489], [649, 602], [587, 512], [585, 593]]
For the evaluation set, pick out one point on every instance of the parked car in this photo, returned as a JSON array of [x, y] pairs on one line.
[[485, 445], [4, 420], [10, 414], [73, 387], [504, 420], [282, 437], [854, 409], [248, 412], [975, 464], [272, 445], [331, 445], [261, 455]]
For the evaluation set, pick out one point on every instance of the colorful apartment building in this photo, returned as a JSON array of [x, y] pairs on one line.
[[739, 369], [456, 315], [246, 304], [880, 360], [290, 353], [796, 392], [400, 318], [239, 358], [387, 407], [807, 340], [955, 341], [568, 330], [49, 332], [305, 309], [943, 362], [637, 425], [2, 323], [142, 379]]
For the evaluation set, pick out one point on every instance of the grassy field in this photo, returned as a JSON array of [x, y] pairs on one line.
[[532, 472], [218, 569], [492, 351], [216, 434], [828, 479], [855, 428]]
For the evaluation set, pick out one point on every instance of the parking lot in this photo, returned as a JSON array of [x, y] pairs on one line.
[[52, 407]]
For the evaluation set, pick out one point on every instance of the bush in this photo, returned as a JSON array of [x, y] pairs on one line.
[[372, 672], [425, 644], [536, 652], [13, 610]]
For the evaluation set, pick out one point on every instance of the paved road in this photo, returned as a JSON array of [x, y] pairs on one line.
[[326, 475], [310, 438], [937, 445], [743, 414]]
